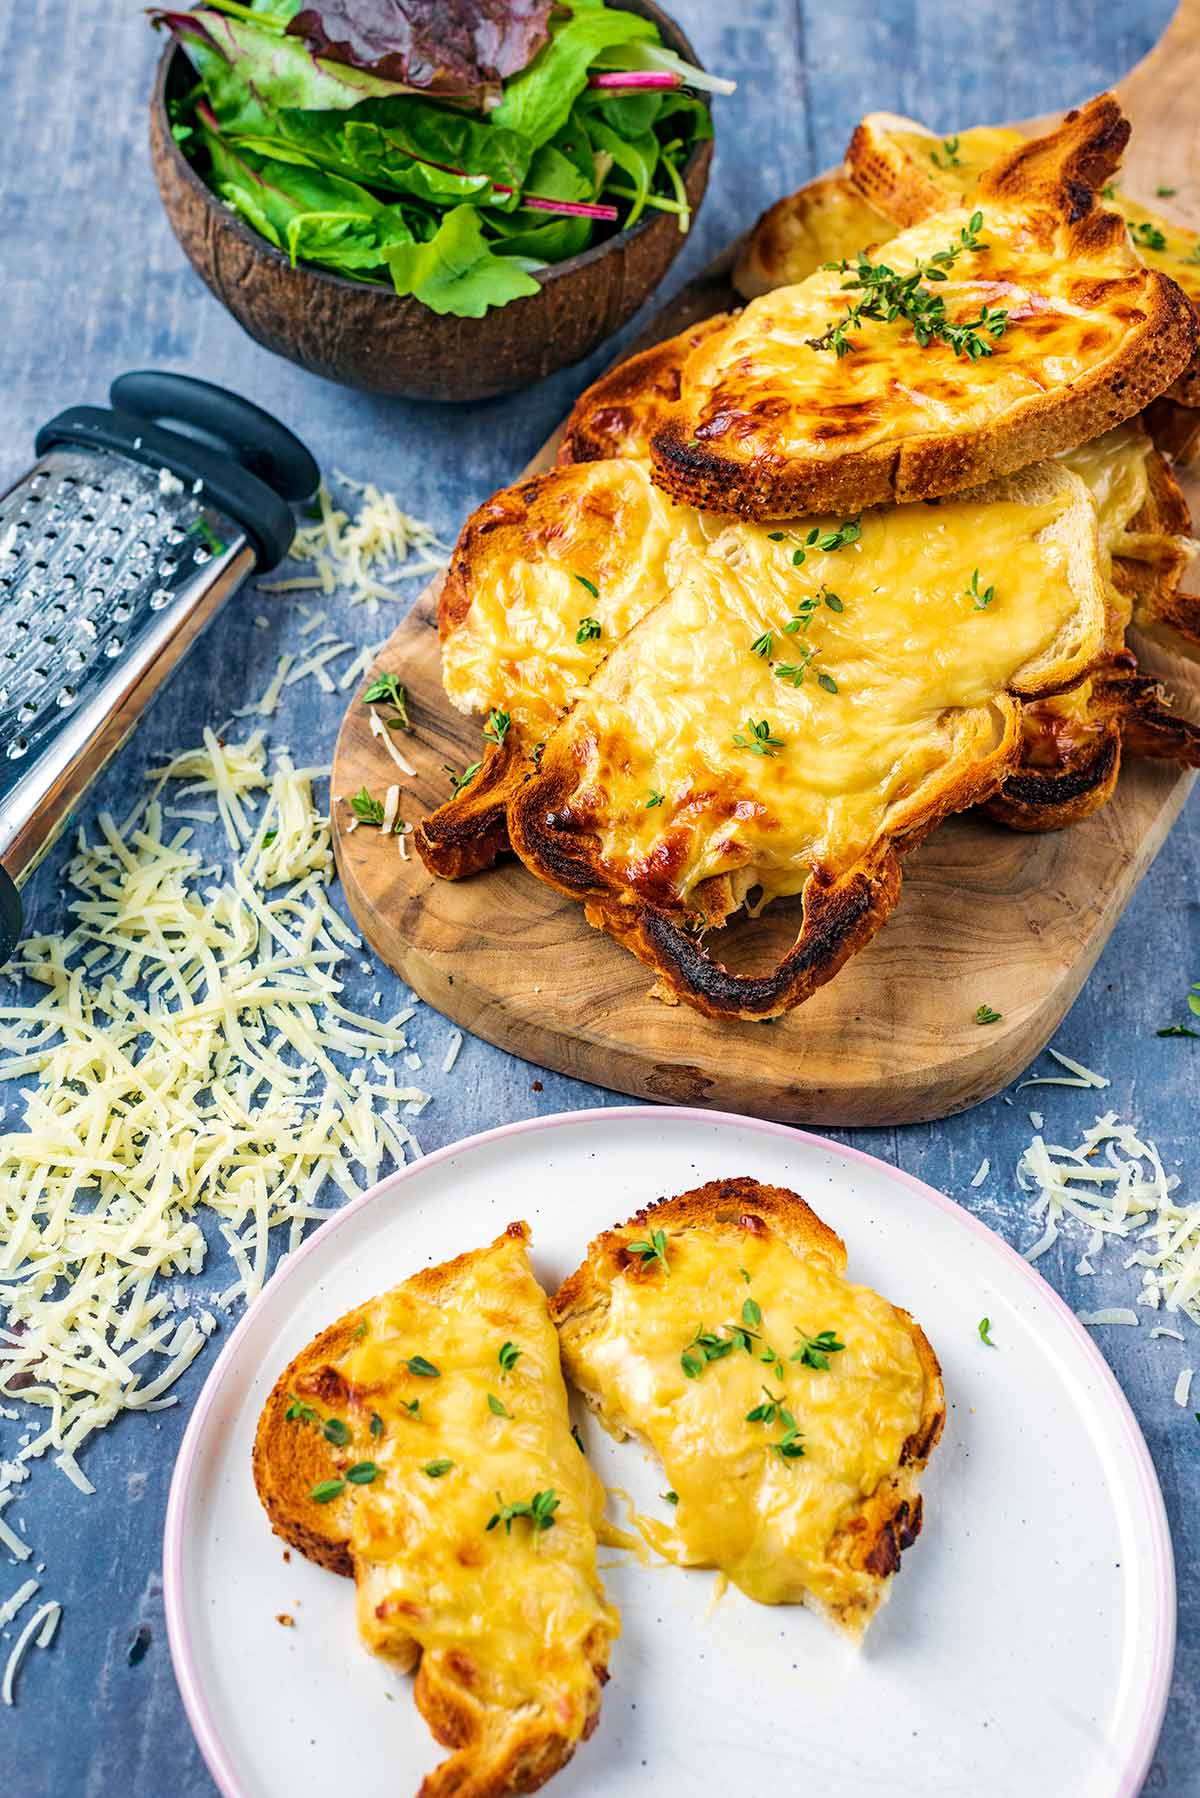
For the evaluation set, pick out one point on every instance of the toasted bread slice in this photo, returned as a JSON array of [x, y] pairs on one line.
[[809, 1495], [1071, 743], [507, 1620], [804, 706], [545, 578], [795, 408], [618, 414], [905, 171], [1175, 429], [826, 220]]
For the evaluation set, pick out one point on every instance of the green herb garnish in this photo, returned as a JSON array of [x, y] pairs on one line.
[[1148, 236], [590, 586], [377, 1421], [982, 599], [1193, 1000], [762, 646], [759, 741], [459, 781], [385, 689], [436, 1469], [986, 1015], [888, 296], [985, 1324], [653, 799], [1166, 193], [814, 1351], [497, 727], [654, 1250], [325, 1490], [362, 1473], [366, 809], [508, 1357], [671, 1498], [200, 527], [948, 156], [497, 1406], [589, 628], [424, 1370], [752, 1313], [539, 1509]]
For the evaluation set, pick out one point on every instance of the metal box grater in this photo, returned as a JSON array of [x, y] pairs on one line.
[[116, 549]]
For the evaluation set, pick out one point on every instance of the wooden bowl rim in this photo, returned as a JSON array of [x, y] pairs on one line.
[[260, 245]]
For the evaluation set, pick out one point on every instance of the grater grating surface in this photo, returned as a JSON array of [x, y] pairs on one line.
[[94, 549]]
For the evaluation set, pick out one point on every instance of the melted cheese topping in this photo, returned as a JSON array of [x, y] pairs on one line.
[[768, 1522], [1177, 254], [600, 522], [918, 669], [761, 379], [521, 1612]]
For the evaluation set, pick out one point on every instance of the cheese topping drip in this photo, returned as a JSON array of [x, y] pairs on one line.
[[1159, 243], [919, 661], [763, 378], [519, 1609], [769, 1521], [599, 542]]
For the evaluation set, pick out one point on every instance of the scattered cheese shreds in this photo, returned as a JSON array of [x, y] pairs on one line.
[[1114, 1184], [19, 1599], [379, 729], [452, 1049], [981, 1172], [42, 1624], [195, 1069], [1109, 1314], [1175, 1335], [1183, 1388], [367, 553]]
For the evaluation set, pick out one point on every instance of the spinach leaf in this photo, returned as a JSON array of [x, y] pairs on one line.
[[457, 270], [636, 157], [630, 115], [552, 241], [314, 216], [538, 101]]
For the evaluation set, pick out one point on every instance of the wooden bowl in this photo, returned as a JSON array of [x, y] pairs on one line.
[[369, 337]]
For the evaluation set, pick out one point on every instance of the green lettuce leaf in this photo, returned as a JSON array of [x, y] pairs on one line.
[[457, 270], [538, 101], [313, 216]]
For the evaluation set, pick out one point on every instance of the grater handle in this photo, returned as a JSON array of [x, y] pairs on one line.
[[10, 915], [247, 433]]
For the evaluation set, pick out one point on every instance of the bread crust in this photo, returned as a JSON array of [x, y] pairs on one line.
[[618, 414], [1053, 177], [889, 1519], [497, 1753]]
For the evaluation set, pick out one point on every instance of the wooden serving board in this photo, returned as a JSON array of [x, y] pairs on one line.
[[986, 916]]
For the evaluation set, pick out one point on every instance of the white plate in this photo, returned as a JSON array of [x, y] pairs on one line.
[[1028, 1642]]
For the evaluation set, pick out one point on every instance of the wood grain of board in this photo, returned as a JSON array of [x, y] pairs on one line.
[[987, 917]]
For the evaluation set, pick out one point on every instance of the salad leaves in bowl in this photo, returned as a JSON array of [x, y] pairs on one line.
[[441, 198]]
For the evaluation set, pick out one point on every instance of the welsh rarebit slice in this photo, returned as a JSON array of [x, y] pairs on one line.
[[995, 332], [422, 1445], [792, 1411]]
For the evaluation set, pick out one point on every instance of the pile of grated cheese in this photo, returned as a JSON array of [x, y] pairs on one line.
[[367, 553], [188, 1058], [1114, 1185]]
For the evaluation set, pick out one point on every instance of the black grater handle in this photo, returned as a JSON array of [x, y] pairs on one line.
[[247, 433], [10, 915], [237, 429]]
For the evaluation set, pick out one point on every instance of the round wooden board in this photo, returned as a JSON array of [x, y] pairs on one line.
[[987, 916]]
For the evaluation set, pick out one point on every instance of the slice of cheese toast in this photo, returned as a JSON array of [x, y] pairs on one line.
[[826, 220], [793, 1412], [422, 1445], [803, 707], [995, 333], [906, 173]]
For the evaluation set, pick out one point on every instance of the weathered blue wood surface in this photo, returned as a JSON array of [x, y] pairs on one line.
[[92, 282]]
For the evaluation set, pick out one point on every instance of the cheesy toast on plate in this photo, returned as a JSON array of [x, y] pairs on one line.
[[422, 1446], [998, 331], [793, 1412]]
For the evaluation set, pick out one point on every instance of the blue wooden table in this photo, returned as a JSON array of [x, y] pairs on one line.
[[93, 282]]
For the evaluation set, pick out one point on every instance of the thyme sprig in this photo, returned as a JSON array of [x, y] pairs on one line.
[[888, 295]]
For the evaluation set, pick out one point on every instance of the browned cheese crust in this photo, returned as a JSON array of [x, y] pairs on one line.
[[733, 443], [733, 1210]]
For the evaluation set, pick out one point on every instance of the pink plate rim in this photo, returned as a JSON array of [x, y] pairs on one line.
[[194, 1701]]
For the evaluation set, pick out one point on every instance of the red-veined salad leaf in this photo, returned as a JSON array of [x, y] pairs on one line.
[[278, 70], [457, 270], [439, 46]]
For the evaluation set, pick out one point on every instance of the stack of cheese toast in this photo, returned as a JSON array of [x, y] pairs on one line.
[[818, 573], [423, 1446]]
